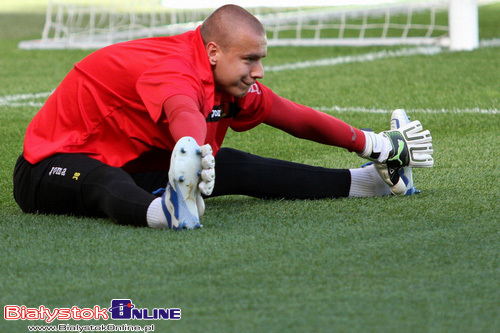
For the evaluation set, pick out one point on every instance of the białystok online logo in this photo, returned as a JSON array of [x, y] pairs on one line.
[[120, 309]]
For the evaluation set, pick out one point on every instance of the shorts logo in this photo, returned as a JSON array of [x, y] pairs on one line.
[[58, 171], [76, 175]]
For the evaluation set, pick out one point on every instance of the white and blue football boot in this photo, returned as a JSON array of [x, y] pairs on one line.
[[399, 179], [182, 195]]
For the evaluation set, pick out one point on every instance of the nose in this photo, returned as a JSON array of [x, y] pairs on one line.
[[257, 71]]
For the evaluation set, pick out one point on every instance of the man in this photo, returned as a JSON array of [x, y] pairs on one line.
[[139, 115]]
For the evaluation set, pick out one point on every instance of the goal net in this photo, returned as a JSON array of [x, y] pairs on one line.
[[89, 24]]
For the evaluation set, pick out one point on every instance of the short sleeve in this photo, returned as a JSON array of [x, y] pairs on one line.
[[166, 78]]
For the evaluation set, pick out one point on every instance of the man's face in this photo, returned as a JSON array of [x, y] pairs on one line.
[[238, 66]]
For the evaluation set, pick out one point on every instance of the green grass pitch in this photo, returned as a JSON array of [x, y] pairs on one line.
[[425, 263]]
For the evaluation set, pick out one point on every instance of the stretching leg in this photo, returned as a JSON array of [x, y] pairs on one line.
[[239, 172], [75, 184]]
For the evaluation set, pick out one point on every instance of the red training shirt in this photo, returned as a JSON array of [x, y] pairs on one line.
[[110, 106]]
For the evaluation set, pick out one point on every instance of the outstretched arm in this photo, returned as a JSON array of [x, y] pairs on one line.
[[307, 123], [185, 118]]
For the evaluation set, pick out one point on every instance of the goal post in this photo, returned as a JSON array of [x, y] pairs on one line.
[[89, 24], [464, 25]]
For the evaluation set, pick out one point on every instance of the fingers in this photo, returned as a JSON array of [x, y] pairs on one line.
[[206, 187], [419, 142], [207, 175], [206, 150], [200, 205], [413, 132], [208, 162]]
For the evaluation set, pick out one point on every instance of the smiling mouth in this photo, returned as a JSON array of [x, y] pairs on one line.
[[248, 84]]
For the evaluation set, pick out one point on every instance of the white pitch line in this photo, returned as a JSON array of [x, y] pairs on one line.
[[405, 52], [434, 111], [21, 97], [20, 105], [20, 100], [371, 56], [490, 42]]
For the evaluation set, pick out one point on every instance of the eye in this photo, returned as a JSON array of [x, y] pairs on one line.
[[251, 58]]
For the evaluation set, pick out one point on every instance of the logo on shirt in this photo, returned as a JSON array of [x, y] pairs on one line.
[[254, 88], [216, 113], [226, 110]]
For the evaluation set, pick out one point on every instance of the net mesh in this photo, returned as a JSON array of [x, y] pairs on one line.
[[94, 24]]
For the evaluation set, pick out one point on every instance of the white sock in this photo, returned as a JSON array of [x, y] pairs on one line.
[[378, 145], [155, 215], [366, 182]]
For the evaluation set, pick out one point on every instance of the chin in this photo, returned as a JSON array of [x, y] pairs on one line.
[[243, 94], [238, 93]]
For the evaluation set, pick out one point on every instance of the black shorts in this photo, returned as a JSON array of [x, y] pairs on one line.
[[54, 185], [75, 184]]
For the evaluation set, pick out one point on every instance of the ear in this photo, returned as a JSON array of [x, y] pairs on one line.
[[213, 51]]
